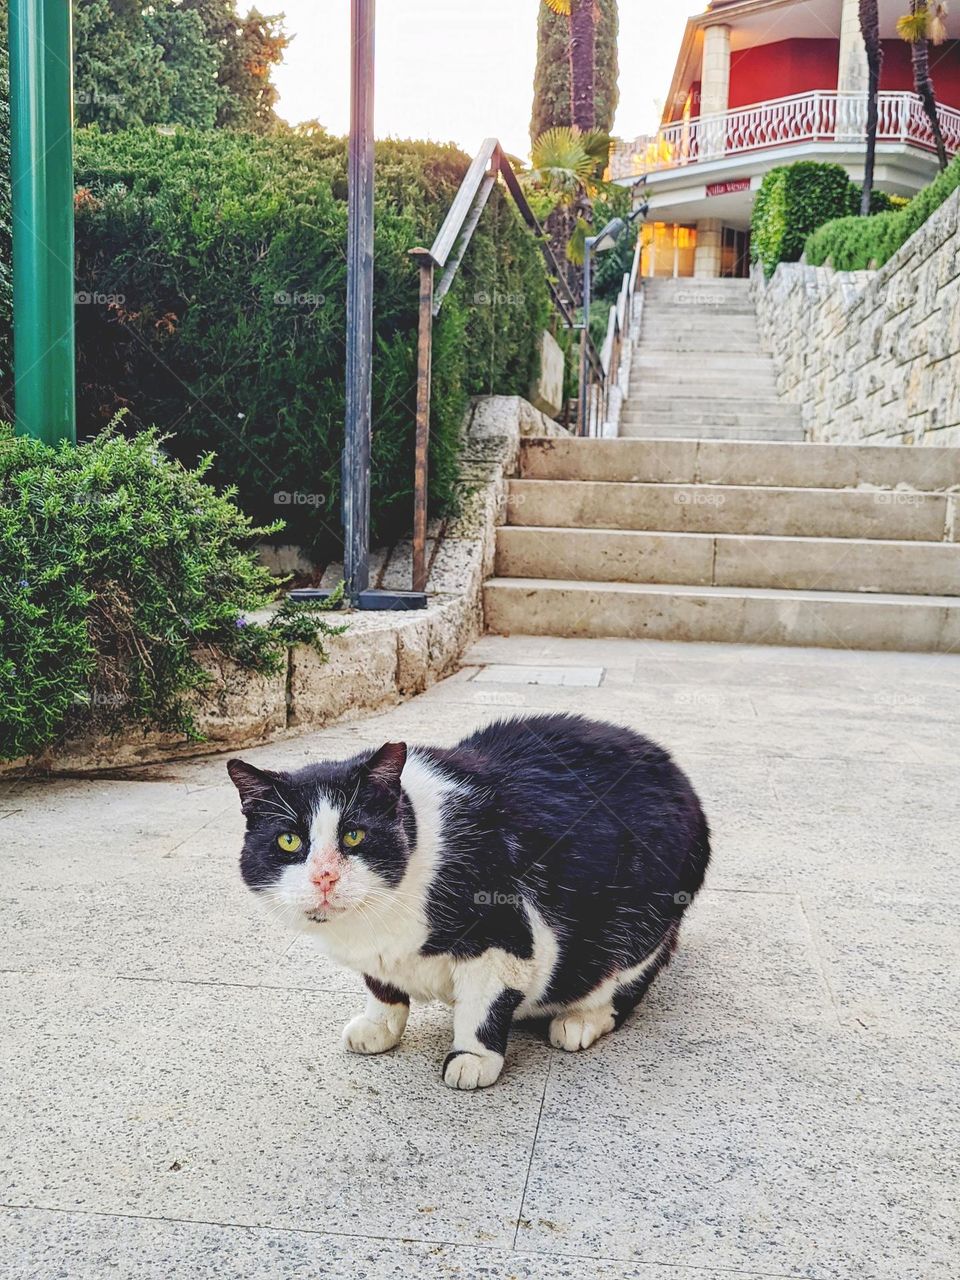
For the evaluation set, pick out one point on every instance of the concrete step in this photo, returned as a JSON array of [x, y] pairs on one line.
[[707, 314], [660, 430], [658, 372], [706, 364], [697, 407], [675, 345], [664, 382], [730, 560], [701, 317], [817, 466], [738, 615], [668, 285], [698, 305], [742, 509]]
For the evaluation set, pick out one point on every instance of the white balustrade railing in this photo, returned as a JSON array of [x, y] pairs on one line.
[[806, 117]]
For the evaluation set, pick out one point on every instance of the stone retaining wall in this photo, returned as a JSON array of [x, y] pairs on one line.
[[381, 658], [872, 356]]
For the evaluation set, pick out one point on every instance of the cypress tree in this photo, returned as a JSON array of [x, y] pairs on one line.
[[552, 102]]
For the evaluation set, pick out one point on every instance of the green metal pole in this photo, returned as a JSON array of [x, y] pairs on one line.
[[41, 171]]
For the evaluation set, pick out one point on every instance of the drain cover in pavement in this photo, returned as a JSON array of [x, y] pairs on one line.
[[572, 677]]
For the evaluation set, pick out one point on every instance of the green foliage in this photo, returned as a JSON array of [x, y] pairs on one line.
[[551, 87], [190, 62], [119, 569], [855, 244], [794, 200], [215, 261]]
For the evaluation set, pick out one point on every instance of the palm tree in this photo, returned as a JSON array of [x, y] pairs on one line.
[[870, 29], [583, 40], [922, 27], [564, 167]]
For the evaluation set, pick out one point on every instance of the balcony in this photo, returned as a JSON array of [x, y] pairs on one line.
[[820, 116]]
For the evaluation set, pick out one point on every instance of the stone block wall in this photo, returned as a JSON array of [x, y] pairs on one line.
[[872, 356]]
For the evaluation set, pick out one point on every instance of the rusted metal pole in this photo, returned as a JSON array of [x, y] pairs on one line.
[[422, 451]]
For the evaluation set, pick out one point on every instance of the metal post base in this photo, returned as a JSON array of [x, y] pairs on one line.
[[371, 600]]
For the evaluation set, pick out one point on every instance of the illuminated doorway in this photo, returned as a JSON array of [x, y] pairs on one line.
[[668, 249]]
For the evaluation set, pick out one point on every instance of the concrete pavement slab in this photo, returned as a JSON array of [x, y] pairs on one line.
[[220, 1104], [69, 1246], [783, 1104], [805, 1151]]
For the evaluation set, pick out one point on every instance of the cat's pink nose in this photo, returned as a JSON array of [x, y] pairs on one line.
[[325, 880]]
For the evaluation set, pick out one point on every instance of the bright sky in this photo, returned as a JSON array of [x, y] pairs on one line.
[[462, 70]]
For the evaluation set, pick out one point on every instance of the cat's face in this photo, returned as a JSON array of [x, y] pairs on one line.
[[323, 842]]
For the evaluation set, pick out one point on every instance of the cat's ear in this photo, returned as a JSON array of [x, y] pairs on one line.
[[253, 784], [385, 766]]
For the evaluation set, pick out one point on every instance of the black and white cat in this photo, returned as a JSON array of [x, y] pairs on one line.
[[539, 868]]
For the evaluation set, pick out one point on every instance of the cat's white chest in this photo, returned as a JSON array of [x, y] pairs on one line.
[[422, 977]]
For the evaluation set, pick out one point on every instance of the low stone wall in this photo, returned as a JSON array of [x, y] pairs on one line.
[[872, 355], [381, 658]]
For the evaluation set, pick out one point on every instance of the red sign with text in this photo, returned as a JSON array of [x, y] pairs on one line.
[[728, 188]]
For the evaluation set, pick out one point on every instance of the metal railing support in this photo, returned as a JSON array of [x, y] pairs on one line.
[[422, 450]]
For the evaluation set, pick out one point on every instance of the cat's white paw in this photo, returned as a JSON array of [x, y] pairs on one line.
[[463, 1070], [573, 1031], [364, 1035]]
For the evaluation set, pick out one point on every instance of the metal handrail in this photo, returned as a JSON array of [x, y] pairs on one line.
[[445, 255], [618, 328]]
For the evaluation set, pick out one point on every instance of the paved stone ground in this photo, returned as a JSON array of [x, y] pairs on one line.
[[176, 1102]]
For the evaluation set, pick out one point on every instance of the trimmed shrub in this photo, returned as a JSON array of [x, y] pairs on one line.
[[212, 277], [855, 244], [793, 201], [117, 565]]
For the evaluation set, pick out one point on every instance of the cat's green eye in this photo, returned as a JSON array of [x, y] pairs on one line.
[[353, 837], [290, 842]]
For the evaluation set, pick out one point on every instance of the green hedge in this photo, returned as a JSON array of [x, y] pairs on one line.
[[792, 201], [218, 270], [117, 565], [854, 244], [211, 279]]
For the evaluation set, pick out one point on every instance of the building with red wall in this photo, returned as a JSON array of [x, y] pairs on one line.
[[760, 83]]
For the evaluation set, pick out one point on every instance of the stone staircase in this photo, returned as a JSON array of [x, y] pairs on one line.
[[698, 370], [842, 546]]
